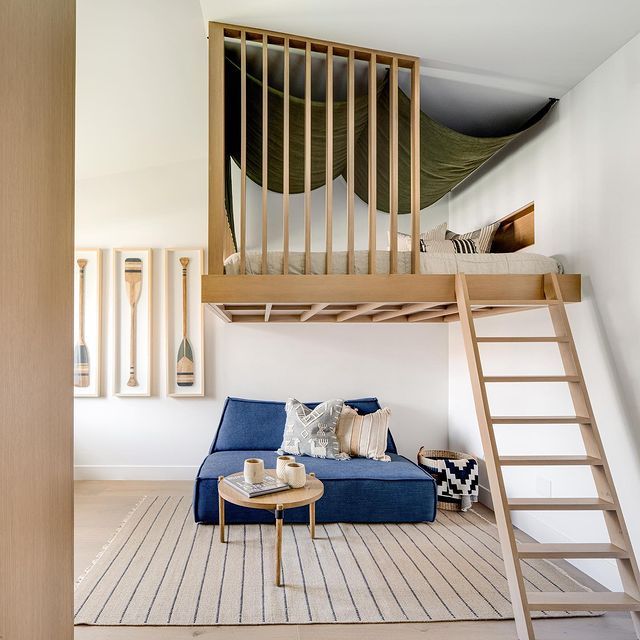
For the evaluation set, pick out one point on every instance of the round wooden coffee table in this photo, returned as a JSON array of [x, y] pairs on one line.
[[276, 502]]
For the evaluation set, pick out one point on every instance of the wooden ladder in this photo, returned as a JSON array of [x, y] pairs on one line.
[[620, 548]]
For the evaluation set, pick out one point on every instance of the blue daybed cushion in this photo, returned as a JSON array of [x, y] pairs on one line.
[[259, 424], [360, 490]]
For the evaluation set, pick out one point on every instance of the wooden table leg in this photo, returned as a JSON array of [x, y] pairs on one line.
[[221, 512], [312, 515], [312, 519], [279, 518]]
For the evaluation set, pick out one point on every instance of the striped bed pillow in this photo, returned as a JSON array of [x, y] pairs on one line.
[[482, 237], [364, 436], [437, 233]]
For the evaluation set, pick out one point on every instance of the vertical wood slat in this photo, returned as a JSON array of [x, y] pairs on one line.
[[307, 159], [243, 153], [350, 161], [329, 163], [373, 155], [265, 147], [285, 163], [218, 226], [393, 167], [415, 168]]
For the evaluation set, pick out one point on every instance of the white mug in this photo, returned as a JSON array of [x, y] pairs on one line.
[[281, 466], [296, 475], [254, 470]]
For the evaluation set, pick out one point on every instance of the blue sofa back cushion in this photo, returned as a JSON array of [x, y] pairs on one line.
[[259, 424]]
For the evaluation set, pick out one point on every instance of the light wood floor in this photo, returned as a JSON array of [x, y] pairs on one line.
[[101, 507]]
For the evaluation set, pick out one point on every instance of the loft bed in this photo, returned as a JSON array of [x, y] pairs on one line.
[[382, 166], [354, 285]]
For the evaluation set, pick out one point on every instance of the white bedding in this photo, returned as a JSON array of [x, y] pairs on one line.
[[429, 263]]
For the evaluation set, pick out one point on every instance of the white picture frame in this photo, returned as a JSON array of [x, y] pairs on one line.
[[92, 319], [173, 318], [121, 325]]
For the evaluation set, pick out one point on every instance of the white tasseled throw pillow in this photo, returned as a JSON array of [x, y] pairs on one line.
[[364, 436], [312, 432]]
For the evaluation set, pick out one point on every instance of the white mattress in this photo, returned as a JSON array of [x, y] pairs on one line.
[[429, 263]]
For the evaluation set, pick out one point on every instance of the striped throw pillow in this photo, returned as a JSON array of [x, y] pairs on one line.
[[364, 436], [450, 246], [483, 237]]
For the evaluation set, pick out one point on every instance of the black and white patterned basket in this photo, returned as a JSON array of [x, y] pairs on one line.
[[449, 495]]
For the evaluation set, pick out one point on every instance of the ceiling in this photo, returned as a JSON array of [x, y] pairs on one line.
[[141, 77], [487, 65]]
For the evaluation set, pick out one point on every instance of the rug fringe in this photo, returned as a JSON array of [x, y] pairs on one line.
[[102, 551]]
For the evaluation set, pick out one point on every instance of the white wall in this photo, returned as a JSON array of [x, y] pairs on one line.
[[581, 168], [124, 198]]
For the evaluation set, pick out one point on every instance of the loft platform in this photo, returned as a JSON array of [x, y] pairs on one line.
[[375, 298]]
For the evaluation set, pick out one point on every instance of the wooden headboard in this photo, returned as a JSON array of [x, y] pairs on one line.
[[516, 231]]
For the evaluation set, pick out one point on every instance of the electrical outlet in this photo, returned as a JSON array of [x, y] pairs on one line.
[[543, 487]]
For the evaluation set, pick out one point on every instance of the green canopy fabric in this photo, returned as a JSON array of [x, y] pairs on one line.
[[446, 156]]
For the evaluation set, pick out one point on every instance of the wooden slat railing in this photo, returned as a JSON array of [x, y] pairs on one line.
[[375, 60], [265, 147], [243, 153], [373, 157], [329, 163], [285, 164]]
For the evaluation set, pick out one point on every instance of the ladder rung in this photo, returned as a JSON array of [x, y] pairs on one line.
[[581, 601], [531, 378], [540, 420], [511, 303], [523, 339], [530, 461], [570, 550], [560, 504]]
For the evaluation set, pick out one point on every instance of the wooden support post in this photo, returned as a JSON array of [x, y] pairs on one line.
[[415, 167], [393, 167], [243, 153], [217, 211], [265, 148], [285, 163], [307, 159], [373, 157], [329, 163], [351, 141]]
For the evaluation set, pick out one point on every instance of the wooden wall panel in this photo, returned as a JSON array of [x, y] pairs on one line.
[[37, 67]]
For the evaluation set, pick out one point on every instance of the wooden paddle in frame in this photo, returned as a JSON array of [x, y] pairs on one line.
[[133, 280], [184, 370], [80, 353]]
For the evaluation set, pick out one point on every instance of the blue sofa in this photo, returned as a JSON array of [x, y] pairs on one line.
[[356, 490]]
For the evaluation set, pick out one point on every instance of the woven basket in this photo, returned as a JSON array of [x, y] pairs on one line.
[[425, 458]]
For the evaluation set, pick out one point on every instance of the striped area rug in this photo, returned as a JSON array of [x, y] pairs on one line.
[[162, 569]]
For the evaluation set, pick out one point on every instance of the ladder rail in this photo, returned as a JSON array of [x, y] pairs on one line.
[[508, 542]]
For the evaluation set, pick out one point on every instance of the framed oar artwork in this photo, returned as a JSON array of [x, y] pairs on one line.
[[132, 321], [184, 322], [87, 318]]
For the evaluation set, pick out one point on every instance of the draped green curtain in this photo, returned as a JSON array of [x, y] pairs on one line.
[[446, 156]]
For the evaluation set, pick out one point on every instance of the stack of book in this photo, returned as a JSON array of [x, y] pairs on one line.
[[270, 484]]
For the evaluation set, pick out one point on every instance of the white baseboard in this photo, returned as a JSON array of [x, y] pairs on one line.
[[604, 571], [134, 472]]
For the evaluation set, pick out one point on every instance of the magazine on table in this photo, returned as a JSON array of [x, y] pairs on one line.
[[268, 485]]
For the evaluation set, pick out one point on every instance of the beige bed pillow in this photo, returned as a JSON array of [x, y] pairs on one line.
[[437, 233], [364, 436]]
